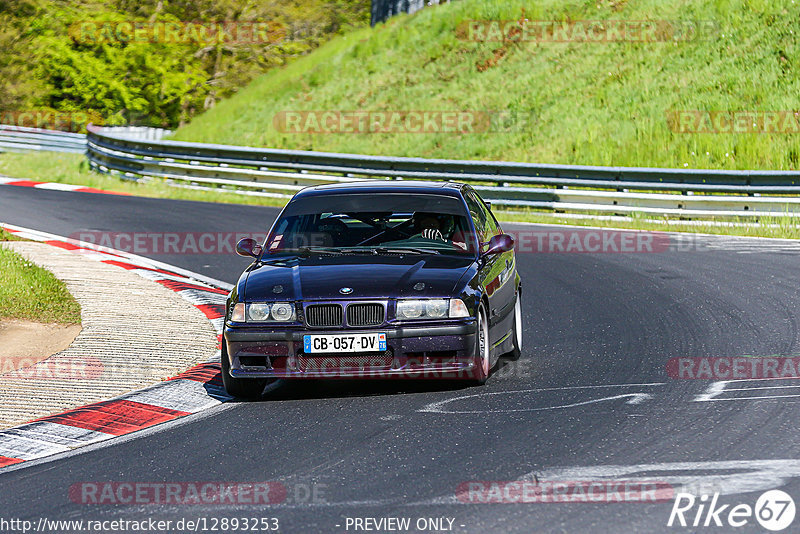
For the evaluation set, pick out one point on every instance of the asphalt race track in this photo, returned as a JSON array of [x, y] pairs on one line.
[[590, 397]]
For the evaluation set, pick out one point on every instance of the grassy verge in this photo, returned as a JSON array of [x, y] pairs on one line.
[[7, 236], [29, 292], [74, 169]]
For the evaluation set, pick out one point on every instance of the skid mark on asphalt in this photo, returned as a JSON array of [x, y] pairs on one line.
[[741, 390], [443, 407], [747, 245], [732, 390], [698, 478]]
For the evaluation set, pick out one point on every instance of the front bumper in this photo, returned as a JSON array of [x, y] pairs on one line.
[[414, 351]]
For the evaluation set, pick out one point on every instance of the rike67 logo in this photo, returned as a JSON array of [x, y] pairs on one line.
[[774, 510]]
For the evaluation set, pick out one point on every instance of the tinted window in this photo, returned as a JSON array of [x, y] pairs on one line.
[[374, 221], [485, 222], [477, 211], [380, 202], [491, 223]]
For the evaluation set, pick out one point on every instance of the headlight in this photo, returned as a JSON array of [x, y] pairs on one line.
[[265, 312], [436, 309], [258, 312], [410, 309], [430, 309], [282, 311]]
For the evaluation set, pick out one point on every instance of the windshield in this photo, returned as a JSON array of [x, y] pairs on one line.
[[375, 223]]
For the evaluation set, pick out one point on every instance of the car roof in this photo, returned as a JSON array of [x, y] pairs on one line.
[[385, 186]]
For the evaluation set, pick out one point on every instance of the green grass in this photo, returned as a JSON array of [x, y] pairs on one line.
[[29, 292], [7, 236], [74, 169], [593, 104]]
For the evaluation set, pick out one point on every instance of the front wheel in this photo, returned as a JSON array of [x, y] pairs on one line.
[[482, 361], [243, 388]]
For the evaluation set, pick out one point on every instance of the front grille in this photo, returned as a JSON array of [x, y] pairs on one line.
[[324, 315], [364, 314]]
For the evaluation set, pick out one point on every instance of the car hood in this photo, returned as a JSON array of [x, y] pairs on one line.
[[324, 277]]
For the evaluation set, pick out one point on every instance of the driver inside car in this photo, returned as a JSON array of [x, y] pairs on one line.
[[439, 228], [428, 226]]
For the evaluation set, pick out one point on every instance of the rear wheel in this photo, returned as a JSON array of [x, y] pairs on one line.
[[243, 388], [483, 364], [516, 331]]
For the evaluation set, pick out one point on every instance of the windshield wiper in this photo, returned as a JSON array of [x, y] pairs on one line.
[[385, 250], [305, 251], [405, 250], [360, 250], [313, 250]]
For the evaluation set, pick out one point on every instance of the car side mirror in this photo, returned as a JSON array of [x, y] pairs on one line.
[[499, 244], [248, 247]]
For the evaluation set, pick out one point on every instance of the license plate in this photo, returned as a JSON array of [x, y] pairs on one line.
[[344, 343]]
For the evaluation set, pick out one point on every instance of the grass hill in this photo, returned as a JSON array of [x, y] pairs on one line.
[[601, 103]]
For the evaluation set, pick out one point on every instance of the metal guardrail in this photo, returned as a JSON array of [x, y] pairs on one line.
[[19, 139], [688, 193], [16, 138], [136, 152], [140, 133]]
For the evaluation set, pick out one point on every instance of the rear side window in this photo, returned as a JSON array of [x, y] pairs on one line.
[[484, 223], [491, 223]]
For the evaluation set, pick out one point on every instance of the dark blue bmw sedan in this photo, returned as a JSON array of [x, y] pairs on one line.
[[389, 279]]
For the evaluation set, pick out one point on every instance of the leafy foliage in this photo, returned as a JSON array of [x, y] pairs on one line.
[[46, 65]]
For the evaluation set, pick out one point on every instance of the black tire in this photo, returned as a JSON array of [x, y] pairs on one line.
[[241, 388], [483, 363], [516, 330]]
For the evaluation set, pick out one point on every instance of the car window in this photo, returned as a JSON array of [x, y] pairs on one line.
[[374, 223], [491, 223], [476, 210]]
